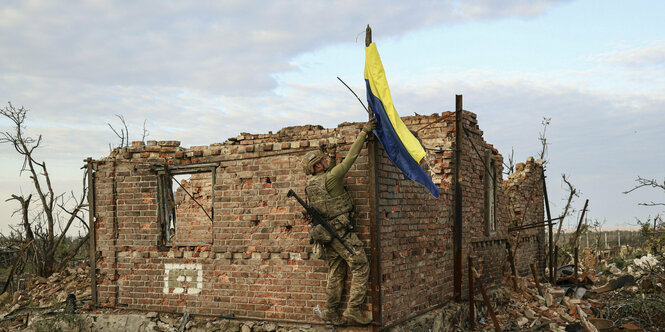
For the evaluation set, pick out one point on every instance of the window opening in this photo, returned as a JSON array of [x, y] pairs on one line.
[[186, 199], [490, 194]]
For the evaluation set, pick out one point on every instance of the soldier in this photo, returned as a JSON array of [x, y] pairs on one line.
[[326, 192]]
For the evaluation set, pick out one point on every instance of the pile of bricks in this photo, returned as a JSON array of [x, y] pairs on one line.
[[50, 292]]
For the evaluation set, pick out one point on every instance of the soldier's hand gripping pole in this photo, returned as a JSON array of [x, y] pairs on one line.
[[317, 219]]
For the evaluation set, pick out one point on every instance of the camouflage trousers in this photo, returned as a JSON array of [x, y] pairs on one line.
[[339, 261]]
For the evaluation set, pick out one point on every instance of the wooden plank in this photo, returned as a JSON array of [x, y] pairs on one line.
[[549, 217], [497, 326], [472, 307], [92, 233], [535, 279], [457, 222], [374, 268], [375, 275]]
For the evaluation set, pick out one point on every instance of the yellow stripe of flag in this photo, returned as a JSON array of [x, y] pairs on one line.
[[376, 76]]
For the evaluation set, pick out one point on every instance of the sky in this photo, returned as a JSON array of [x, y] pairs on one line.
[[202, 72]]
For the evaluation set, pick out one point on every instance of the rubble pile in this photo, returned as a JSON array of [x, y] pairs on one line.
[[636, 294], [526, 309], [45, 295], [173, 322], [46, 292], [116, 320], [632, 299]]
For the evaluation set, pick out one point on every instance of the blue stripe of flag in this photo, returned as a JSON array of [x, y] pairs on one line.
[[394, 147]]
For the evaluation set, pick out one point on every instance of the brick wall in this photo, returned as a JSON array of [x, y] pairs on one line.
[[481, 162], [258, 262], [415, 229], [254, 259], [524, 189]]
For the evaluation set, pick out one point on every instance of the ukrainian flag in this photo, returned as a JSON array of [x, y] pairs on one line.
[[403, 149]]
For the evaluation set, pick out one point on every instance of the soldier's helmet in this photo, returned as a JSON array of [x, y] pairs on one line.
[[310, 159]]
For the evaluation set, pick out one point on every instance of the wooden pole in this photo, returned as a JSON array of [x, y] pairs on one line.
[[535, 279], [372, 149], [472, 308], [513, 270], [457, 221], [549, 217], [556, 263], [92, 243], [579, 224], [497, 327]]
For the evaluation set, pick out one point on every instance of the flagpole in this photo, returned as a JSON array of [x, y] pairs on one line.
[[368, 41], [375, 242]]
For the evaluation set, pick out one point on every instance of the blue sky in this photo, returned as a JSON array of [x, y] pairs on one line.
[[201, 73]]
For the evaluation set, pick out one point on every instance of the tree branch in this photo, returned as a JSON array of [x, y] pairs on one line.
[[543, 139], [145, 131], [642, 182], [653, 183], [651, 204], [572, 192]]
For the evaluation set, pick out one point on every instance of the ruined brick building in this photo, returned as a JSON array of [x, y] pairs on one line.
[[210, 230]]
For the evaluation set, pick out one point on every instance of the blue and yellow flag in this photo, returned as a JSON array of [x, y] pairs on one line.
[[403, 149]]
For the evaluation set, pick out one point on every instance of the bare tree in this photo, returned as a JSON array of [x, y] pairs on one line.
[[572, 192], [653, 183], [596, 229], [123, 133], [510, 166], [46, 225], [543, 140], [655, 238]]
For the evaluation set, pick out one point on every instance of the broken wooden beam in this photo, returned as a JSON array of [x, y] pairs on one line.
[[529, 226], [556, 262], [513, 270], [16, 261], [495, 320], [535, 279], [579, 224]]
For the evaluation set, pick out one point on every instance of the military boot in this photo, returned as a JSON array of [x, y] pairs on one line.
[[355, 316], [331, 316]]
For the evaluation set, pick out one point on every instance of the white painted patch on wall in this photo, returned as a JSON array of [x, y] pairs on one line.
[[183, 279]]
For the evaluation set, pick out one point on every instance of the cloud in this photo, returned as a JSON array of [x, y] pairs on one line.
[[229, 47], [202, 73], [593, 133], [646, 56]]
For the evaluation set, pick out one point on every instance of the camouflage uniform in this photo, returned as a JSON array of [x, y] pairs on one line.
[[337, 211], [326, 193]]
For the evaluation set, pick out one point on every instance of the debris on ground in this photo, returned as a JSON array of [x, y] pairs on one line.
[[629, 299], [47, 292]]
